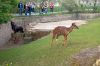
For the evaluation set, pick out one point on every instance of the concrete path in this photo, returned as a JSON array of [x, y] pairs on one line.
[[51, 25]]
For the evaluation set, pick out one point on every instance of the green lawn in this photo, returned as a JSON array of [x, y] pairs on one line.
[[40, 52]]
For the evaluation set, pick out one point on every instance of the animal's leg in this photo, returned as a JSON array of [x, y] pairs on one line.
[[65, 41], [53, 40]]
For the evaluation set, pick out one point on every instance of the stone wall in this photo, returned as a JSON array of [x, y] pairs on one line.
[[5, 33]]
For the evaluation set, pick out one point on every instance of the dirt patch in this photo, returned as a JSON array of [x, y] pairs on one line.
[[39, 34], [52, 25]]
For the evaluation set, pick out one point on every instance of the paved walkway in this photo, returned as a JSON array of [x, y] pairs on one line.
[[50, 26]]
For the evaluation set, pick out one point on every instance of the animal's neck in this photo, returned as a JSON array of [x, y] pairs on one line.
[[71, 29], [13, 26]]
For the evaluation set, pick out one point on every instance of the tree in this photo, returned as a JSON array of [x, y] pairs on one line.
[[69, 5], [95, 7], [6, 7]]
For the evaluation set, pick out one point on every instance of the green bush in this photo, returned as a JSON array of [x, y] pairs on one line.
[[6, 8], [4, 17]]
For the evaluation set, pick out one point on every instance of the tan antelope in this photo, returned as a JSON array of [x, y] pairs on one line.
[[63, 31]]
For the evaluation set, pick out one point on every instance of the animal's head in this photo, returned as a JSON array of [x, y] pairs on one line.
[[12, 22], [75, 26]]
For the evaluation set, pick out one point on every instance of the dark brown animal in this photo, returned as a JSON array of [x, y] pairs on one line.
[[16, 28], [63, 31]]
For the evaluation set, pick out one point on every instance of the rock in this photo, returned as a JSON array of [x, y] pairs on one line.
[[17, 38], [97, 63], [85, 58]]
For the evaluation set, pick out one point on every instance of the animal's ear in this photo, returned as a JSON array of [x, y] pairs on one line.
[[12, 21], [73, 23]]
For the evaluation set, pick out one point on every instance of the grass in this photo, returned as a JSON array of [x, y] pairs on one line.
[[40, 52]]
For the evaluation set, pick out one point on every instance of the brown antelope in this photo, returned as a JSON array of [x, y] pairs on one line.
[[63, 31]]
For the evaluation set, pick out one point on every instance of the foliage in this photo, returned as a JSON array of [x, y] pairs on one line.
[[4, 17], [6, 7], [69, 5], [40, 52]]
